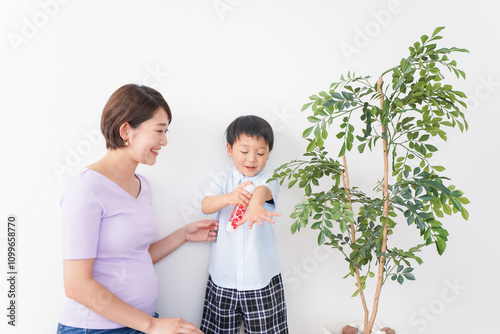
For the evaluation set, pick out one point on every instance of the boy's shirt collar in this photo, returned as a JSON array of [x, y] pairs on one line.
[[238, 177]]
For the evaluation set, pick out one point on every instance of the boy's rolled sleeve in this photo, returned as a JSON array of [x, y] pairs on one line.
[[216, 187], [274, 187]]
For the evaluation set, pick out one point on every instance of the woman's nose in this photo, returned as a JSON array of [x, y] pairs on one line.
[[163, 140]]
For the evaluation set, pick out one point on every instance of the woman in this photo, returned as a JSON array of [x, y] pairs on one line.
[[109, 227]]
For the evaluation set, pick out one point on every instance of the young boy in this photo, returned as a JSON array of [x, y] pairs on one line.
[[245, 283]]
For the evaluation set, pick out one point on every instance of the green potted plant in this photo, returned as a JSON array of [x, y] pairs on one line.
[[408, 108]]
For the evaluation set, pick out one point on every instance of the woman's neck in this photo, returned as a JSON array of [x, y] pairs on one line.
[[116, 165]]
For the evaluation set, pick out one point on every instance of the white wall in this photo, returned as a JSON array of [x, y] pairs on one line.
[[213, 61]]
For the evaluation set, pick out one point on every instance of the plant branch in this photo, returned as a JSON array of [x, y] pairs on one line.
[[345, 181], [386, 221]]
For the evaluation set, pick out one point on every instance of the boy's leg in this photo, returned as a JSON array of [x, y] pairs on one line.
[[264, 310], [222, 310]]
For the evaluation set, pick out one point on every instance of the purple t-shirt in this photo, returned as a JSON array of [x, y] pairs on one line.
[[102, 221]]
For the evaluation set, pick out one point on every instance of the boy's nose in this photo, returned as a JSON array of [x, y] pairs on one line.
[[252, 157]]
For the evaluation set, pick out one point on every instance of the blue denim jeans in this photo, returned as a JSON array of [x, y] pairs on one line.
[[63, 329]]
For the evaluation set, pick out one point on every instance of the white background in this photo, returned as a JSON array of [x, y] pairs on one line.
[[214, 61]]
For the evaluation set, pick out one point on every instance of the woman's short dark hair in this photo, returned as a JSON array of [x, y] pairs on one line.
[[133, 104], [252, 126]]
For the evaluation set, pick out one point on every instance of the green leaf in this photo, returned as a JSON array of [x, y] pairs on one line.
[[305, 106], [426, 197], [307, 132], [311, 145], [329, 103], [348, 96], [409, 276], [431, 148], [313, 119], [342, 150], [307, 189], [321, 238], [456, 204], [439, 168], [465, 213], [316, 225], [424, 137], [447, 209], [440, 245], [324, 133], [437, 30], [337, 96]]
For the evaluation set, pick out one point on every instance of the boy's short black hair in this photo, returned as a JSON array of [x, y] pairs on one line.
[[253, 126]]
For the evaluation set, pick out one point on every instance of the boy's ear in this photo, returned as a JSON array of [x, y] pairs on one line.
[[229, 150]]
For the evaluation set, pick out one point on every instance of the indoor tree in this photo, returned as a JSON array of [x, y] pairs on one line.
[[405, 111]]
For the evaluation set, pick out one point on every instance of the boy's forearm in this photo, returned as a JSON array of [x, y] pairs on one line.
[[261, 195], [212, 204]]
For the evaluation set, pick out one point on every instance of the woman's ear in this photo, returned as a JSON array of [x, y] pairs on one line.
[[125, 131], [229, 150]]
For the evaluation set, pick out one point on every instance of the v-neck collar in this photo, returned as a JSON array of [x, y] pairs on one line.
[[117, 185]]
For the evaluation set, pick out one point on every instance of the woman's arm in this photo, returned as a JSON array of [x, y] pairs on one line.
[[80, 286], [204, 230]]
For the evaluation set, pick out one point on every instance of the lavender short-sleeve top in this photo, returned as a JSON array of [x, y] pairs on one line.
[[102, 221]]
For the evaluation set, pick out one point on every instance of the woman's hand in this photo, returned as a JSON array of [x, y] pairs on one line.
[[203, 230], [173, 326]]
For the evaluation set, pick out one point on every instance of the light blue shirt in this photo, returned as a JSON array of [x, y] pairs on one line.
[[244, 259]]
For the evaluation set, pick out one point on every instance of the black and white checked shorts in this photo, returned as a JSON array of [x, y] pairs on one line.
[[262, 311]]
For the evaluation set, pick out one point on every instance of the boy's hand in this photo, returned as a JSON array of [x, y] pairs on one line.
[[240, 195], [256, 214]]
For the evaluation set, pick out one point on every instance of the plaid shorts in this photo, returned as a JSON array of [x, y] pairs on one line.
[[262, 311]]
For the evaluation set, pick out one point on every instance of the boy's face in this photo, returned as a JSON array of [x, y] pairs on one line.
[[249, 154]]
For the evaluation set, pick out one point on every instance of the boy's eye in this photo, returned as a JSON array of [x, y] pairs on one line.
[[243, 152], [260, 153]]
